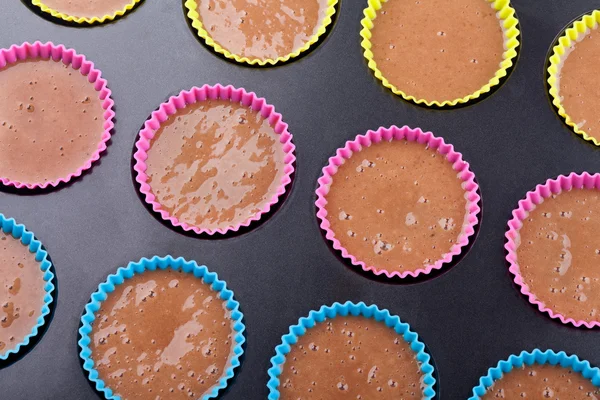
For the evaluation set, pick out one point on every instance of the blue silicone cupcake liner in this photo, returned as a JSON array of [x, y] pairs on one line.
[[356, 309], [134, 268], [537, 356], [18, 231]]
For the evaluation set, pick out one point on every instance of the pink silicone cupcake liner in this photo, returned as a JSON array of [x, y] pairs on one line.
[[531, 200], [412, 135], [206, 92], [70, 57]]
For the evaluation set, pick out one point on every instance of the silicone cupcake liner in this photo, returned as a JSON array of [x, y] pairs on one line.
[[355, 309], [414, 135], [535, 357], [100, 19], [18, 231], [206, 92], [194, 17], [47, 51], [135, 268], [533, 198], [560, 52], [505, 13]]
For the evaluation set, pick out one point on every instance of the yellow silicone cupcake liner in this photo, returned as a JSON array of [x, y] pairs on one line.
[[193, 15], [505, 13], [571, 35], [85, 20]]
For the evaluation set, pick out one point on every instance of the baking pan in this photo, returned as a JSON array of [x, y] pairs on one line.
[[470, 315]]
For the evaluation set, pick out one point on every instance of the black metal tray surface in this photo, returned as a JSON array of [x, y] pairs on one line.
[[470, 317]]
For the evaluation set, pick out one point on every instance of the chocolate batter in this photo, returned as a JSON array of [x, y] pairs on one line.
[[51, 121], [262, 29], [543, 382], [351, 358], [162, 334], [87, 8], [397, 205], [559, 253], [438, 49], [215, 163], [21, 293], [578, 84]]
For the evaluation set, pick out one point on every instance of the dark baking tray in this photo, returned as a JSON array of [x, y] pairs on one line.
[[470, 317]]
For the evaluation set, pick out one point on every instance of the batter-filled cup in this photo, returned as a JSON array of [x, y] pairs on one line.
[[539, 375], [56, 115], [214, 159], [573, 77], [162, 326], [398, 202], [86, 11], [352, 351], [552, 248], [261, 32], [438, 52], [26, 291]]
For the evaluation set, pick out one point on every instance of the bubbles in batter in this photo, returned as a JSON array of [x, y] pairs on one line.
[[382, 218], [543, 382], [353, 358], [21, 292], [162, 333], [557, 254]]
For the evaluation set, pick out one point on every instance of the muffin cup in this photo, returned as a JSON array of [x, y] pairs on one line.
[[540, 357], [47, 51], [505, 13], [412, 135], [136, 268], [18, 231], [206, 92], [533, 198], [355, 309], [194, 16], [100, 19], [560, 52]]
